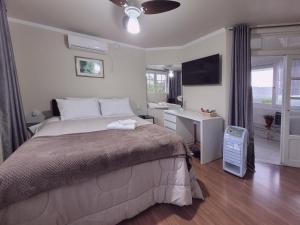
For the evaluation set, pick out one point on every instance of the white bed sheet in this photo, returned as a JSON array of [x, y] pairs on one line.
[[54, 126]]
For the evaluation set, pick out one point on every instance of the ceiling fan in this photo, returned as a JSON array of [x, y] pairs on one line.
[[133, 9]]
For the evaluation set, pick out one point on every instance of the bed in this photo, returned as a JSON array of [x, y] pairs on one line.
[[77, 172]]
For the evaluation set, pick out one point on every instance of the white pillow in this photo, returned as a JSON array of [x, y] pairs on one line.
[[72, 98], [115, 107], [78, 109]]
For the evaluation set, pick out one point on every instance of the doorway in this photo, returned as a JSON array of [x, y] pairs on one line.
[[291, 113], [276, 109], [267, 74]]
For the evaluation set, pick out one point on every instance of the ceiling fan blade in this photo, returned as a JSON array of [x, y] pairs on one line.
[[120, 3], [159, 6]]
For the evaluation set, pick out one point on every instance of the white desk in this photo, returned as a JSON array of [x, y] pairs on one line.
[[210, 129]]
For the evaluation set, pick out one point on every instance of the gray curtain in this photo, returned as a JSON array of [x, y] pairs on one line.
[[12, 122], [241, 110], [174, 88]]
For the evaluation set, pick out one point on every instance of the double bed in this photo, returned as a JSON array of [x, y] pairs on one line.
[[77, 172]]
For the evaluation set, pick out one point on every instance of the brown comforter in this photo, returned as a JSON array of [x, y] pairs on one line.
[[45, 163]]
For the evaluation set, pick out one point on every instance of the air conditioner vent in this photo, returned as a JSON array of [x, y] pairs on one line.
[[87, 44]]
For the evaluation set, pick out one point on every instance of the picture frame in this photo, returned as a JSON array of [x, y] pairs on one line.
[[88, 67]]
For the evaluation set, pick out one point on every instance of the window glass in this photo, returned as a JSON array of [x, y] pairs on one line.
[[295, 93], [161, 82], [262, 85], [295, 83], [295, 103], [296, 68], [278, 84], [156, 82]]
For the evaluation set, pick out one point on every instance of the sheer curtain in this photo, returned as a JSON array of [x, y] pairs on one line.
[[13, 127], [241, 106]]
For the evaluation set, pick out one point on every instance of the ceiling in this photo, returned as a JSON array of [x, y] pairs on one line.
[[195, 18]]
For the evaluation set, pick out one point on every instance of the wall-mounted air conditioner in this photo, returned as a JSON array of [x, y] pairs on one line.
[[87, 44]]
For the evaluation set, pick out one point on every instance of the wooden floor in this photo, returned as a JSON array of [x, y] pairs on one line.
[[270, 196]]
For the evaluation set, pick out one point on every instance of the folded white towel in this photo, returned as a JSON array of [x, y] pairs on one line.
[[122, 125], [127, 122]]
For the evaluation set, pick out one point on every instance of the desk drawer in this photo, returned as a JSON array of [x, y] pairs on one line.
[[173, 131], [170, 117], [170, 125]]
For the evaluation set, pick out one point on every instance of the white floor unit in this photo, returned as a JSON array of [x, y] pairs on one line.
[[235, 150]]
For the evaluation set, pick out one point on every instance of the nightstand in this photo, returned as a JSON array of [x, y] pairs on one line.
[[148, 118], [30, 124]]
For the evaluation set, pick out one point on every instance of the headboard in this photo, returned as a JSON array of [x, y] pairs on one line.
[[54, 107]]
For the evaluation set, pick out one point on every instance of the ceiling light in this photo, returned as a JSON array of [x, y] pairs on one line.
[[133, 25], [171, 73]]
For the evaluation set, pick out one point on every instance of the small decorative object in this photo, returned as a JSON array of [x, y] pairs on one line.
[[36, 116], [86, 67], [269, 121], [207, 112]]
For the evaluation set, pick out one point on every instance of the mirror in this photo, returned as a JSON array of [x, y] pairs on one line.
[[164, 89]]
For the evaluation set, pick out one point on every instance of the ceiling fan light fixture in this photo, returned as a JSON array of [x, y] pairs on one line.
[[133, 25]]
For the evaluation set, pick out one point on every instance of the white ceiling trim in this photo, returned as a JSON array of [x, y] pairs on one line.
[[165, 48], [205, 37], [50, 28], [55, 29]]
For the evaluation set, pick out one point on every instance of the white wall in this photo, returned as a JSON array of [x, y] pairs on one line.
[[46, 70], [195, 97], [163, 56], [209, 96]]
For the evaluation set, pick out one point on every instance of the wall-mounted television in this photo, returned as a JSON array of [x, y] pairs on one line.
[[204, 71]]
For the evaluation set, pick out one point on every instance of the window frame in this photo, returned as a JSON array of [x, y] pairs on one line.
[[158, 72]]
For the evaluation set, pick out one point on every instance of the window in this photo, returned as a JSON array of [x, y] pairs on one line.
[[295, 93], [295, 83], [157, 82], [262, 85], [267, 83]]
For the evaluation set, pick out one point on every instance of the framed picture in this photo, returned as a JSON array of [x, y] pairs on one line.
[[86, 67]]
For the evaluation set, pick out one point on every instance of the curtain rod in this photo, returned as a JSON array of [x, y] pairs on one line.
[[271, 26]]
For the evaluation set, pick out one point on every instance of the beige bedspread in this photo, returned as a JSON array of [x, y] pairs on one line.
[[48, 162]]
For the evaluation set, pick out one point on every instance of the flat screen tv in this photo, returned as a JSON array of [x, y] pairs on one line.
[[204, 71]]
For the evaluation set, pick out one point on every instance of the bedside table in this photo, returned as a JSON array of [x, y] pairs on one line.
[[30, 124], [148, 118]]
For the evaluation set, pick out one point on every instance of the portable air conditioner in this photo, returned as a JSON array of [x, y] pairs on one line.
[[235, 150], [87, 44]]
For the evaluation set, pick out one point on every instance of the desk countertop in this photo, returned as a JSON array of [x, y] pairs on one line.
[[196, 116]]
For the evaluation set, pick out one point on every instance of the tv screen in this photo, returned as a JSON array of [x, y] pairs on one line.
[[203, 71]]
